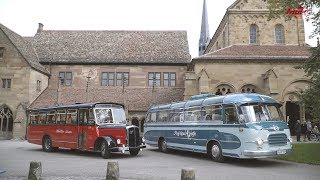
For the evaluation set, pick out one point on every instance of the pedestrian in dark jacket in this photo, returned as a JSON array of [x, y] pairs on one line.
[[304, 130], [297, 129]]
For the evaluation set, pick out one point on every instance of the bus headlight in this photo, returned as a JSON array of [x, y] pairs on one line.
[[118, 141], [259, 141], [290, 140], [143, 140]]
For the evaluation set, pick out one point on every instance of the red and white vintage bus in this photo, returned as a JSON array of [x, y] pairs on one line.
[[97, 127]]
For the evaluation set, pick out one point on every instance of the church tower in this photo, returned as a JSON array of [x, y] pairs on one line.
[[204, 34]]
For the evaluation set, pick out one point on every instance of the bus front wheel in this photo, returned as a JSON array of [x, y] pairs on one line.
[[163, 145], [215, 152], [105, 153], [134, 151]]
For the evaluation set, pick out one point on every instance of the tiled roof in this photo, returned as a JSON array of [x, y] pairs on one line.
[[25, 48], [261, 52], [87, 47]]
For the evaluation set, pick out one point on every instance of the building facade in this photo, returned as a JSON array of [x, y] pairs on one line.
[[248, 54], [23, 79], [134, 68]]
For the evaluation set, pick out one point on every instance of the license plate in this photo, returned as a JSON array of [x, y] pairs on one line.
[[281, 152]]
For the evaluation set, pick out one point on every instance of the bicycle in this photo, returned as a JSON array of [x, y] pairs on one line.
[[314, 137]]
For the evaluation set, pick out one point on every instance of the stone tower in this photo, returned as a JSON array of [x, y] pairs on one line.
[[204, 34]]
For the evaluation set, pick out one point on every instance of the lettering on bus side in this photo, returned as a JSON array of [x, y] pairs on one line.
[[59, 131], [186, 133]]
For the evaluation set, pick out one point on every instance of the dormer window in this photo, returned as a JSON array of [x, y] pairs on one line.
[[279, 34], [253, 34], [1, 52]]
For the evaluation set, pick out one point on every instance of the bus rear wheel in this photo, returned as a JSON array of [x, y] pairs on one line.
[[163, 145], [105, 153], [134, 151], [215, 152], [47, 144]]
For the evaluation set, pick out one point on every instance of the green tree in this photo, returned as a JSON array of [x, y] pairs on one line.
[[311, 10]]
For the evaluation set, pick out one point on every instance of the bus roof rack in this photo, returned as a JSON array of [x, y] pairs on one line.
[[201, 96]]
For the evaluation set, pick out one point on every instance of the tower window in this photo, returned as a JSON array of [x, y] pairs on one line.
[[279, 34], [253, 33]]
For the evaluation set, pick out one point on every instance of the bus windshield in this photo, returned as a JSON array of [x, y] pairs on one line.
[[259, 113], [110, 116]]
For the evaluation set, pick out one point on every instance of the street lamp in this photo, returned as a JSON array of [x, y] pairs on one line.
[[58, 87], [88, 81], [124, 84]]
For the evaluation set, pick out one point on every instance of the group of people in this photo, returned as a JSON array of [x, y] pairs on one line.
[[305, 129]]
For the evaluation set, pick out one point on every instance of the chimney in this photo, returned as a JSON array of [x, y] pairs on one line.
[[40, 28]]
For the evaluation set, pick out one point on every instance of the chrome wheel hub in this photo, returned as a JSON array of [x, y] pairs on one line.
[[215, 151]]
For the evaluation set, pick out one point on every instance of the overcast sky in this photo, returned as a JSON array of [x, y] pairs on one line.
[[23, 16]]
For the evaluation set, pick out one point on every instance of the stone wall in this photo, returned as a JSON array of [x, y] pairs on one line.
[[138, 96]]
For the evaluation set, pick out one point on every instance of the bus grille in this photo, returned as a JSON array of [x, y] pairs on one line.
[[134, 137], [278, 139]]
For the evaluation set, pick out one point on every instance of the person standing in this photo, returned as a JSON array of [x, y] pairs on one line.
[[304, 130], [297, 129], [309, 129]]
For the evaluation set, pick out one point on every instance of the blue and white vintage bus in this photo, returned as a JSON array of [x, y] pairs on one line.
[[233, 125]]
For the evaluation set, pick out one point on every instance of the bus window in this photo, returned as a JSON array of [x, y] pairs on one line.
[[33, 118], [153, 117], [148, 117], [213, 113], [104, 115], [71, 116], [83, 116], [230, 114], [176, 115], [61, 117], [192, 114], [162, 116], [260, 112], [51, 117], [275, 115], [91, 117], [43, 116], [217, 113], [208, 113]]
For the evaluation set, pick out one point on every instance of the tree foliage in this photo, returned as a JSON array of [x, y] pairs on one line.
[[311, 10]]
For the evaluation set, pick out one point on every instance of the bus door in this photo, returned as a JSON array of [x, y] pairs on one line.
[[87, 129], [230, 134], [71, 129]]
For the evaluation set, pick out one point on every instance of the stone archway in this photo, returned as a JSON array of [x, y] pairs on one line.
[[293, 110], [6, 122], [135, 121]]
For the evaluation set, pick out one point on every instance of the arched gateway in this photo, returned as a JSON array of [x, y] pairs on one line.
[[6, 122]]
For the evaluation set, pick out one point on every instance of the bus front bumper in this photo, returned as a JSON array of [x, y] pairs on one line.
[[126, 148], [263, 154]]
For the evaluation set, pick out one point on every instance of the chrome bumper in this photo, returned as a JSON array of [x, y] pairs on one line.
[[126, 148], [263, 154]]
